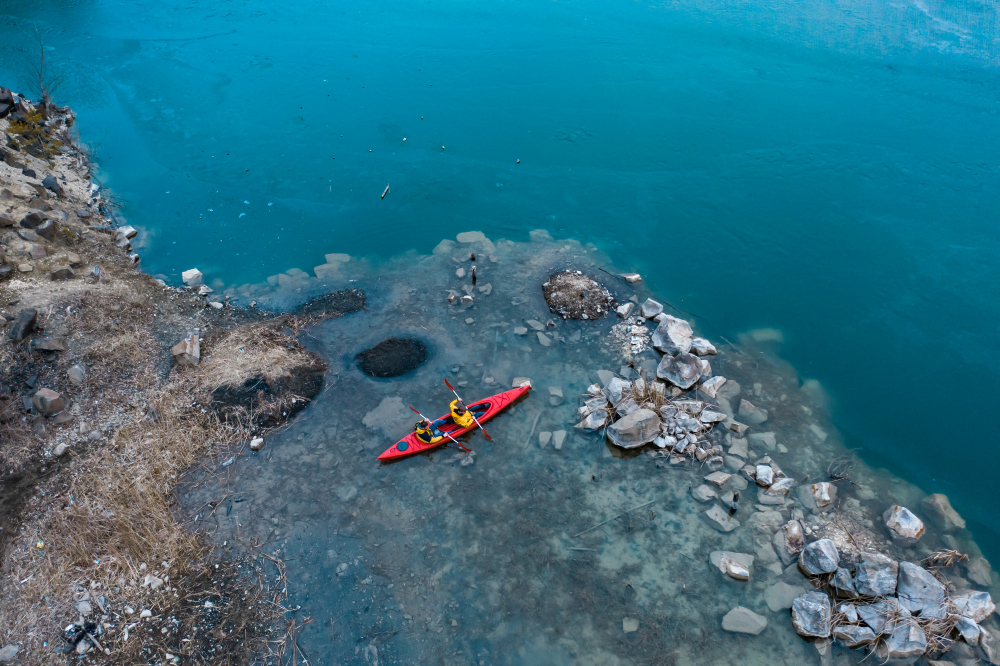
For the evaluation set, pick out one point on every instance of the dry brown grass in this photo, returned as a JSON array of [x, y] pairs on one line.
[[251, 350]]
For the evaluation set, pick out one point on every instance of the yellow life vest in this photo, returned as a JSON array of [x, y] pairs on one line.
[[463, 421], [426, 435]]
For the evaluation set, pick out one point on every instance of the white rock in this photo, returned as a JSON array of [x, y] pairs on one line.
[[718, 478], [192, 277], [543, 339], [521, 381], [703, 347], [632, 277], [651, 308], [711, 386], [625, 309], [703, 493], [821, 493], [543, 438], [145, 613], [903, 526], [630, 624], [558, 437], [672, 335], [256, 444]]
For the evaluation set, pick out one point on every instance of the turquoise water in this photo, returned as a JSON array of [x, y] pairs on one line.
[[828, 170]]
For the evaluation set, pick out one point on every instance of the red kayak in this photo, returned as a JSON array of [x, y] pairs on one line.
[[494, 404]]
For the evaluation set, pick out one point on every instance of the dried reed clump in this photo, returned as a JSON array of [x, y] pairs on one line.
[[253, 350]]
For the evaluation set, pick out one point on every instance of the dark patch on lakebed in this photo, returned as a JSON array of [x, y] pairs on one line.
[[393, 357]]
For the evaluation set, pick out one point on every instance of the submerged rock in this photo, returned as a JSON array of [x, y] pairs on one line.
[[751, 413], [703, 493], [883, 616], [939, 510], [594, 420], [967, 629], [811, 615], [640, 427], [720, 520], [920, 592], [904, 527], [780, 595], [742, 620]]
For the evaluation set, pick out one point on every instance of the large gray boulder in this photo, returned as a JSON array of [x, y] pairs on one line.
[[819, 557], [811, 615], [640, 427], [920, 592], [854, 635], [977, 605], [613, 390], [672, 335], [682, 370], [906, 641], [875, 575]]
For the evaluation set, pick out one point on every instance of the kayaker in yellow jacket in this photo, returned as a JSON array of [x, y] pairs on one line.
[[425, 432], [460, 414]]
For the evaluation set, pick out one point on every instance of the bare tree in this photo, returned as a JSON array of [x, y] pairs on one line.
[[47, 82]]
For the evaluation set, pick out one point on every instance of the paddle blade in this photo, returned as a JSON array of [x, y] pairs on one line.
[[415, 411], [447, 384]]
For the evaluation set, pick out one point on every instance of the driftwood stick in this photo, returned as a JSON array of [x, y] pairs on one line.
[[614, 518]]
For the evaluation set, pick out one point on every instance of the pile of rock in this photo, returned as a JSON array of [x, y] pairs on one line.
[[573, 295], [900, 609]]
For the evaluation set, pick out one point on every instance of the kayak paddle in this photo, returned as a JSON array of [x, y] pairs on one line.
[[442, 432], [488, 438]]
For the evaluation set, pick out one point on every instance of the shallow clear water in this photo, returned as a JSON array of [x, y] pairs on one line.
[[506, 560]]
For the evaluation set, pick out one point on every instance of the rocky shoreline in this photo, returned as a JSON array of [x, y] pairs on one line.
[[877, 584], [112, 386]]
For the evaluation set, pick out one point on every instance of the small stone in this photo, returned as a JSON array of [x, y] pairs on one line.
[[84, 608], [720, 520], [520, 330], [50, 344], [188, 350], [256, 444], [718, 479], [145, 613], [460, 272], [558, 437], [854, 635], [632, 277], [555, 396], [47, 402], [742, 620], [651, 308], [967, 629], [703, 347], [469, 320], [751, 413], [710, 387], [128, 231], [543, 339], [906, 641], [904, 527], [192, 277], [60, 449], [535, 325], [979, 571], [25, 268], [520, 381], [625, 309], [780, 595], [46, 230], [8, 652], [73, 260], [737, 427], [811, 615], [703, 493], [821, 493], [765, 476], [38, 252], [543, 438], [819, 557], [62, 274], [844, 584], [630, 624]]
